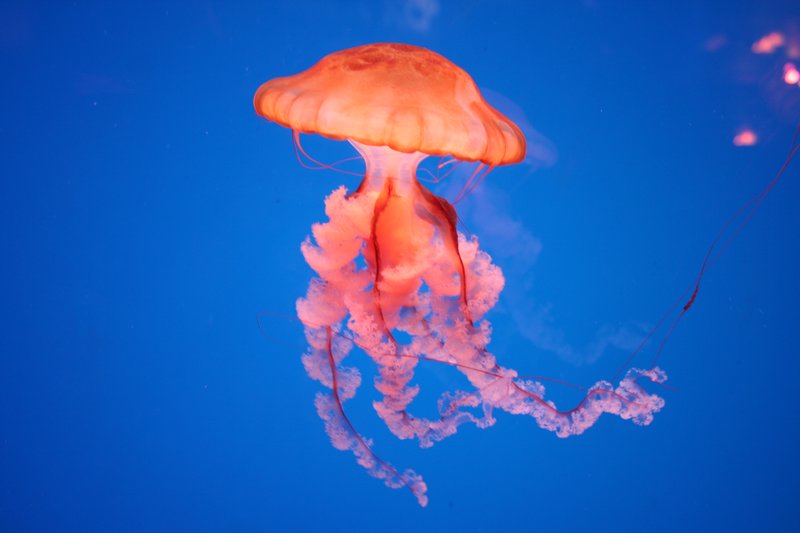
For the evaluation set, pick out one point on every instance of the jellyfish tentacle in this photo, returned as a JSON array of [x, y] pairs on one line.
[[394, 374], [380, 205], [361, 448], [443, 215], [395, 367]]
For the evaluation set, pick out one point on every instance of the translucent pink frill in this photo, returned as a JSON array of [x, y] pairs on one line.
[[390, 260]]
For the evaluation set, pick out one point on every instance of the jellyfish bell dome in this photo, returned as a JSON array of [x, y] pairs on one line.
[[400, 96]]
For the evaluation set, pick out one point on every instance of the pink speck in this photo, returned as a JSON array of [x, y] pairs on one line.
[[790, 74], [768, 43], [745, 137]]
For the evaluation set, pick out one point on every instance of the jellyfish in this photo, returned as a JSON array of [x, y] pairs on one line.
[[394, 275]]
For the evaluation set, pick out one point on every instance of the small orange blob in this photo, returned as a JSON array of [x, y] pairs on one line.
[[745, 137], [768, 43]]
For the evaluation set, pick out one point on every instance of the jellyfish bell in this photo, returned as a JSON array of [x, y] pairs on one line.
[[404, 97], [398, 104]]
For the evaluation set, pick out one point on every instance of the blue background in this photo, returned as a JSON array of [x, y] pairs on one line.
[[147, 216]]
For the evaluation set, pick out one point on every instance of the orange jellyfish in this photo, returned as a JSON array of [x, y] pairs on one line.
[[395, 277]]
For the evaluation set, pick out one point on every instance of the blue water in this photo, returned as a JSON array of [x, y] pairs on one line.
[[148, 216]]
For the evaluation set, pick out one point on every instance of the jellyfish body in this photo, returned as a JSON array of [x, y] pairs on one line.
[[391, 259]]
